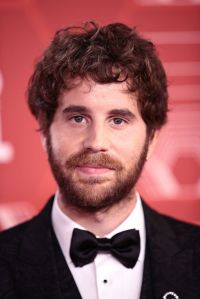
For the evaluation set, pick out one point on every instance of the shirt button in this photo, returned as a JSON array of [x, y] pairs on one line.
[[105, 281]]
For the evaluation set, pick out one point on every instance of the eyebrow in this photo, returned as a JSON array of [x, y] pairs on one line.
[[75, 108], [113, 112], [122, 112]]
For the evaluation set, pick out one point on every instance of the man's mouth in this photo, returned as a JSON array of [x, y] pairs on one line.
[[93, 169]]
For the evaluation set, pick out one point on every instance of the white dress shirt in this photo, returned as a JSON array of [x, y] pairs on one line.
[[106, 277]]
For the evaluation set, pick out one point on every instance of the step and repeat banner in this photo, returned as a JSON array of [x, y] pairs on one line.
[[171, 180]]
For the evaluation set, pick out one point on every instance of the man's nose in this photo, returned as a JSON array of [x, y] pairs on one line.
[[96, 139]]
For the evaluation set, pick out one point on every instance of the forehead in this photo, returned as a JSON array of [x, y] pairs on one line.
[[94, 95]]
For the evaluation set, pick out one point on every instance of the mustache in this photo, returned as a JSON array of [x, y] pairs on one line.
[[98, 160]]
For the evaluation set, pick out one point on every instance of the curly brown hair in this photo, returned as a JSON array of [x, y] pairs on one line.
[[112, 53]]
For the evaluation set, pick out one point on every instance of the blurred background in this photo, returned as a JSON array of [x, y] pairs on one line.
[[171, 180]]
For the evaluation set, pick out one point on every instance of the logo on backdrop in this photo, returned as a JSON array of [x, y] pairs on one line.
[[6, 148]]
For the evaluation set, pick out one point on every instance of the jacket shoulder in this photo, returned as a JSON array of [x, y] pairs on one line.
[[169, 227], [12, 238]]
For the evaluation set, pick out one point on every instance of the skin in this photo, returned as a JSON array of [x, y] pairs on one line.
[[101, 119]]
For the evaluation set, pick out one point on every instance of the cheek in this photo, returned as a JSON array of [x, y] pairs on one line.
[[129, 149], [65, 145]]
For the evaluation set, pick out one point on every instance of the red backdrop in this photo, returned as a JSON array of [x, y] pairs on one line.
[[171, 180]]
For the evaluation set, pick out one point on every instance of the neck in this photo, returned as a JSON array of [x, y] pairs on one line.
[[104, 221]]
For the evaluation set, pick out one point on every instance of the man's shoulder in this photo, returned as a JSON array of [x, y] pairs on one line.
[[161, 217], [168, 226], [12, 238]]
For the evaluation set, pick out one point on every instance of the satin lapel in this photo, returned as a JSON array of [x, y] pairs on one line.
[[169, 257], [147, 290], [36, 266], [67, 284]]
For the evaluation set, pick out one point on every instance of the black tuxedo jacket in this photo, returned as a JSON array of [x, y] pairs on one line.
[[32, 265]]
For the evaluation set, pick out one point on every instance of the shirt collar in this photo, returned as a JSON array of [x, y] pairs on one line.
[[64, 226]]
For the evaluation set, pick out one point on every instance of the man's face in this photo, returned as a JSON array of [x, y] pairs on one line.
[[97, 144]]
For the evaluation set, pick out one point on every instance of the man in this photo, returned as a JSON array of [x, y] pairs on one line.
[[100, 97]]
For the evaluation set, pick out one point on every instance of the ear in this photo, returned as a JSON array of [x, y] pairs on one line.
[[152, 144], [43, 141]]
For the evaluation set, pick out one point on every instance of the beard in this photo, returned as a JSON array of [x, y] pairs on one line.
[[94, 193]]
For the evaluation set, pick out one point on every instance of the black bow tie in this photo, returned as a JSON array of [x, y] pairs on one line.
[[124, 246]]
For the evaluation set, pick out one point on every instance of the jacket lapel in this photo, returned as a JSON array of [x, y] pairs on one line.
[[168, 258], [67, 284], [41, 269], [147, 290]]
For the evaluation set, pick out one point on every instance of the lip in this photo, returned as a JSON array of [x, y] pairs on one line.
[[93, 169]]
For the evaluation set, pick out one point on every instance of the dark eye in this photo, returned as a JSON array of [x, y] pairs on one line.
[[78, 118], [117, 121]]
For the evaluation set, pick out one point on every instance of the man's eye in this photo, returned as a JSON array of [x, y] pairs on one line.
[[118, 120], [78, 118]]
